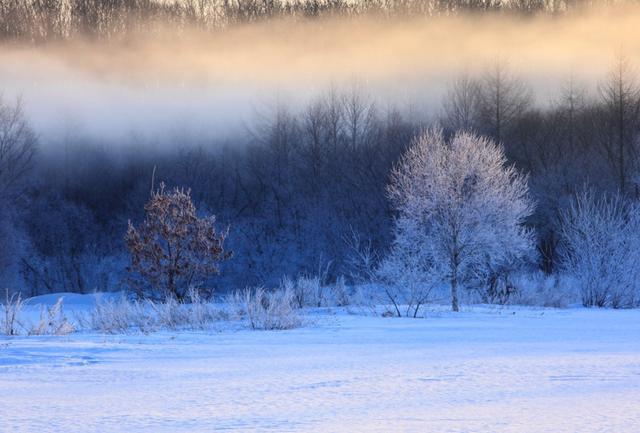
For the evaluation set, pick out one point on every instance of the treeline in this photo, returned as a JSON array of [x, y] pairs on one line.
[[47, 20], [291, 193], [308, 188], [580, 140]]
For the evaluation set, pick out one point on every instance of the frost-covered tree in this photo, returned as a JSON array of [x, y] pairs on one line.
[[173, 248], [467, 206], [601, 249], [406, 274]]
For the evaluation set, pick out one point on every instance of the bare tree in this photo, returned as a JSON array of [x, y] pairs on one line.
[[571, 105], [460, 107], [18, 145], [314, 152], [359, 113], [503, 98], [620, 95]]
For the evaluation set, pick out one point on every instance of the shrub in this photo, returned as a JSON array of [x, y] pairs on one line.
[[52, 321], [540, 289], [191, 313], [12, 308], [308, 292], [267, 309], [122, 315], [340, 292], [174, 248], [406, 277], [115, 316], [601, 249]]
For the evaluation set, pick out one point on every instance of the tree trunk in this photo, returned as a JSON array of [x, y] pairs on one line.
[[455, 262], [171, 286], [454, 291]]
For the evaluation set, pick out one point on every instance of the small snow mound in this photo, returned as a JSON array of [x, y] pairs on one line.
[[69, 299]]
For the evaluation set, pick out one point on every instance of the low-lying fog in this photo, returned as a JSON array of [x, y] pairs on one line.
[[160, 85]]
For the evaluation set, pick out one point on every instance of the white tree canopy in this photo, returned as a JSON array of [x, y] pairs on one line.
[[463, 205]]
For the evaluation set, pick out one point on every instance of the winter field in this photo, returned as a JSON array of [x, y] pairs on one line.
[[485, 369], [331, 216]]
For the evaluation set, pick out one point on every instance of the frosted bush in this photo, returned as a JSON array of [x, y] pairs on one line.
[[11, 309], [114, 316], [340, 293], [267, 310], [307, 291], [201, 312], [122, 315], [194, 313], [311, 292], [169, 314], [601, 249], [365, 300], [52, 321], [541, 290], [406, 277]]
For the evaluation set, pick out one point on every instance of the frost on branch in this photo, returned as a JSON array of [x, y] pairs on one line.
[[601, 249], [461, 211], [406, 274], [173, 249]]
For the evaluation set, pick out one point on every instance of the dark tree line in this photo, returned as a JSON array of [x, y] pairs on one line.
[[46, 20], [291, 192], [303, 182]]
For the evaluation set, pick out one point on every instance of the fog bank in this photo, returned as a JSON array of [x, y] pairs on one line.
[[213, 84]]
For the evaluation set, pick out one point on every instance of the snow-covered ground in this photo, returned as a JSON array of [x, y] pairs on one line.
[[482, 370]]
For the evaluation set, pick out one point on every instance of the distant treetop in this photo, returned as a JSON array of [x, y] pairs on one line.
[[45, 20]]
